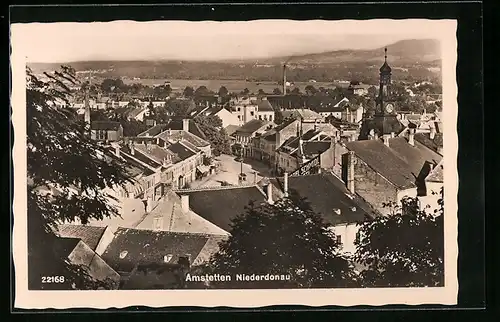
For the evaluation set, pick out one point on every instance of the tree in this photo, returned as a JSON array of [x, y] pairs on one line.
[[202, 91], [188, 92], [285, 238], [310, 90], [261, 92], [277, 91], [278, 117], [133, 127], [405, 249], [372, 91], [211, 126], [223, 92], [246, 91], [59, 141]]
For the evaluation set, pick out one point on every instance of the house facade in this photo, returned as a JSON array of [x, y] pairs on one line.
[[106, 131]]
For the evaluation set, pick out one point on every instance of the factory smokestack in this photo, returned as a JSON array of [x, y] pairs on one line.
[[284, 79]]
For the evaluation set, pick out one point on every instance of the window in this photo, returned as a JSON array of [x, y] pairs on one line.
[[252, 113], [238, 109], [338, 239], [167, 258], [358, 237], [270, 117], [239, 117], [123, 254], [157, 223], [260, 117]]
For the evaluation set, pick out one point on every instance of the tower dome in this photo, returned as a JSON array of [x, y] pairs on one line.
[[385, 67]]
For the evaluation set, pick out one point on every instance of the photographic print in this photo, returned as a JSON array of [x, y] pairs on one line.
[[239, 164]]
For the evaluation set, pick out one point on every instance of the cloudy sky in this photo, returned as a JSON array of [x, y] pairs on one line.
[[207, 40]]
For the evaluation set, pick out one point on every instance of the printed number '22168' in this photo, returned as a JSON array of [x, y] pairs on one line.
[[52, 279]]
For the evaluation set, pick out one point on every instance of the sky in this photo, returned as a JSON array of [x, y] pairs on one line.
[[206, 40]]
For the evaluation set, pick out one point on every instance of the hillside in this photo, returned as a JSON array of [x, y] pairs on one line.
[[407, 57]]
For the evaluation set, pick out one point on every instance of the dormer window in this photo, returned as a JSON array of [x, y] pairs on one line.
[[123, 254], [337, 211], [167, 258]]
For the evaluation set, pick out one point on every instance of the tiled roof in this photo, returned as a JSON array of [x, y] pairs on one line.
[[384, 161], [90, 235], [303, 113], [315, 147], [436, 175], [221, 206], [141, 156], [64, 246], [415, 156], [252, 126], [433, 144], [230, 129], [156, 152], [138, 246], [153, 131], [177, 124], [105, 125], [181, 151], [325, 193], [271, 137], [179, 135], [265, 106]]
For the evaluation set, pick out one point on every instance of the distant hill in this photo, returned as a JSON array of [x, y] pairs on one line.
[[406, 54]]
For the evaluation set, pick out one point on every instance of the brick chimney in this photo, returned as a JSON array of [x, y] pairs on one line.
[[386, 139], [285, 184], [270, 193], [185, 203], [149, 204], [411, 137], [351, 159], [185, 125], [255, 177], [432, 134], [131, 146]]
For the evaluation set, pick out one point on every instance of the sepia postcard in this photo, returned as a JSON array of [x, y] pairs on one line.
[[240, 164]]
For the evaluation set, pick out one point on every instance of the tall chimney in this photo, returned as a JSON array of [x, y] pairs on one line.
[[386, 139], [270, 193], [255, 177], [185, 125], [149, 204], [285, 183], [131, 146], [284, 79], [185, 203], [411, 137], [350, 171], [432, 134], [117, 150]]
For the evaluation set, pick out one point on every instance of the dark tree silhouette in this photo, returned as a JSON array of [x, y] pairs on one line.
[[211, 126], [285, 238], [405, 249], [277, 91], [188, 91], [62, 157]]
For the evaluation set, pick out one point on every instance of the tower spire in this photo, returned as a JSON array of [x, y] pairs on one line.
[[385, 55]]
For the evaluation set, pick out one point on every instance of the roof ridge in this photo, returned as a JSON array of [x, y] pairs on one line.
[[166, 232], [209, 188]]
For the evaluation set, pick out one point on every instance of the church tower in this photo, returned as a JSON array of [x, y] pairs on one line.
[[384, 122]]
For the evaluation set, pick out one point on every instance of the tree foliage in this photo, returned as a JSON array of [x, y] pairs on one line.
[[188, 92], [286, 238], [62, 157], [404, 249], [211, 126]]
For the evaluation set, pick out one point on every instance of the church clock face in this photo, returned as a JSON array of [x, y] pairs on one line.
[[389, 108]]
